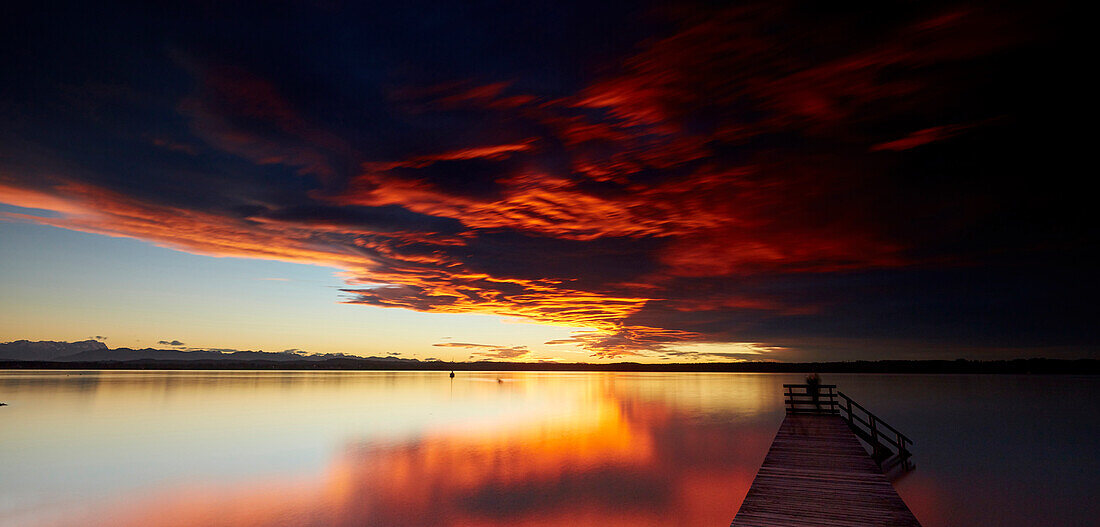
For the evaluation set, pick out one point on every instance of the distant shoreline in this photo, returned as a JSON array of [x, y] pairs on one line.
[[1018, 366]]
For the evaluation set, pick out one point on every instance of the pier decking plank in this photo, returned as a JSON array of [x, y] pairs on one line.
[[817, 473]]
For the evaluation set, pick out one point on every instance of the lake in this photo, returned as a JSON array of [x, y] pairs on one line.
[[249, 448]]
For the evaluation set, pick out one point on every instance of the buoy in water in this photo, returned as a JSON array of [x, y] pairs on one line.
[[452, 375]]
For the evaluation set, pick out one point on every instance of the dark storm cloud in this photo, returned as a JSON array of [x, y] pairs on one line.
[[477, 177], [1006, 308], [827, 179], [590, 263]]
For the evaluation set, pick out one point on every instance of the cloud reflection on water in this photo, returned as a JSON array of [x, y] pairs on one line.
[[617, 458]]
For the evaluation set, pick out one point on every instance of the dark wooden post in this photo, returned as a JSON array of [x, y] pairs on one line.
[[875, 443]]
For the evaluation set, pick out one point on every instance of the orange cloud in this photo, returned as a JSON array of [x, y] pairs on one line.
[[96, 210]]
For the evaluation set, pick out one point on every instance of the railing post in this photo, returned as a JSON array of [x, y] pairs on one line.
[[874, 429]]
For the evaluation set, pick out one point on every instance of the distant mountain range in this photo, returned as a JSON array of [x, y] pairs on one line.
[[92, 354], [47, 349], [95, 351]]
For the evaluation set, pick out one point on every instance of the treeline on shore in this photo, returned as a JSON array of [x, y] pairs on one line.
[[1016, 366]]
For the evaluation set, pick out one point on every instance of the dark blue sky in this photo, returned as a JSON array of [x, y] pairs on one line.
[[675, 181]]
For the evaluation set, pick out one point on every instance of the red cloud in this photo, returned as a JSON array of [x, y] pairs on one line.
[[921, 137], [238, 112]]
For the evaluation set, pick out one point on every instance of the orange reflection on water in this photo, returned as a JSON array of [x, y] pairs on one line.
[[617, 459], [473, 477]]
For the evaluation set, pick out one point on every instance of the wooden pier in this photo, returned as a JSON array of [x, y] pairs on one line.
[[818, 473]]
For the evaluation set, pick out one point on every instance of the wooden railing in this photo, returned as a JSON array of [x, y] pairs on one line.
[[885, 439], [888, 443], [801, 399]]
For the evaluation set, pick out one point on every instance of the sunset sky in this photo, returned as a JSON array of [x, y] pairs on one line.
[[570, 181]]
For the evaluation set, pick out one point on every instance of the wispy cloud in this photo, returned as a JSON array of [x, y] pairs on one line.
[[488, 351], [922, 137]]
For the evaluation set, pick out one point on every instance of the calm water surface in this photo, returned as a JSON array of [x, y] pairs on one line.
[[509, 449]]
